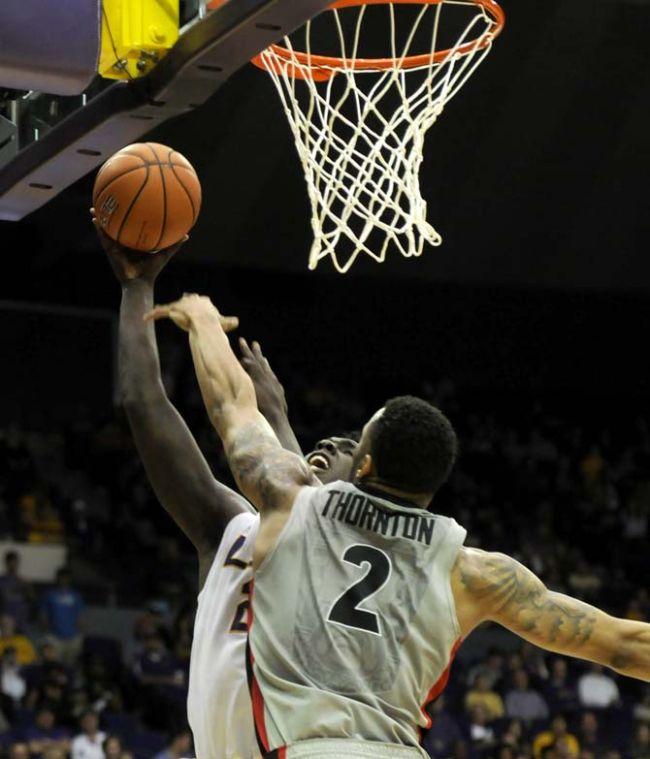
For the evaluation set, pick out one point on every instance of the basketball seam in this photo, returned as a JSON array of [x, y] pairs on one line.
[[110, 181], [133, 202], [178, 179], [143, 165], [164, 193]]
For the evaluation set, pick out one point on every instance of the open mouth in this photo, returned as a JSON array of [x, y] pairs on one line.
[[318, 462]]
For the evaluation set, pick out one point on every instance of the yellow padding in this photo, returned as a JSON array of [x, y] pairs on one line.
[[136, 34]]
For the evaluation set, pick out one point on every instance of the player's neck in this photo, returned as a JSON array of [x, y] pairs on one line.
[[416, 500]]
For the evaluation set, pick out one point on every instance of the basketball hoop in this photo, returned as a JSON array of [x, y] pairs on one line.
[[359, 121]]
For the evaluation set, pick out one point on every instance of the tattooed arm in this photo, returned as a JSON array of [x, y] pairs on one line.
[[269, 476], [495, 587]]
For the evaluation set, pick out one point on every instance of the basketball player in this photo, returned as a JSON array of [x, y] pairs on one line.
[[362, 596], [220, 523]]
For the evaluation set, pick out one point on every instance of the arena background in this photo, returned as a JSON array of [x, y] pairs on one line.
[[529, 326]]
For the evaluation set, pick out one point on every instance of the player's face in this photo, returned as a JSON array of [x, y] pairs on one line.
[[331, 459]]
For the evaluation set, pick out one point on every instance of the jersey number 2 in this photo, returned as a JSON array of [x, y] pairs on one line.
[[345, 610]]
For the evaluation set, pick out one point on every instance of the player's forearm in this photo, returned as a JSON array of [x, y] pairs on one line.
[[496, 587], [632, 654], [139, 364], [224, 384]]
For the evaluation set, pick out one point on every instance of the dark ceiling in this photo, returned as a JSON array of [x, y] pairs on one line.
[[536, 174]]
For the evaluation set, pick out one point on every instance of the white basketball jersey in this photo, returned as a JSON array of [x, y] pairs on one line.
[[353, 624], [219, 704]]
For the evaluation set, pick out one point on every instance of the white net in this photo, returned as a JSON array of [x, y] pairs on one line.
[[360, 129]]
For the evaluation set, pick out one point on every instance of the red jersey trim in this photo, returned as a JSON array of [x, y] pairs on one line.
[[440, 684]]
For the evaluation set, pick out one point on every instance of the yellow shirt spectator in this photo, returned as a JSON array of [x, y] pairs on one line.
[[556, 736], [481, 695], [9, 638]]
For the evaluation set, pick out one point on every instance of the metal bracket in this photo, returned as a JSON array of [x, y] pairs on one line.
[[8, 140]]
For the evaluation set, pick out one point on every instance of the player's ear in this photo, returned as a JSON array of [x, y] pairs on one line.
[[365, 467]]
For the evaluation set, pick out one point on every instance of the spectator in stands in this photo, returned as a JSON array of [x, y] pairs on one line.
[[641, 709], [40, 518], [113, 748], [62, 607], [45, 733], [480, 732], [558, 737], [16, 594], [637, 608], [491, 669], [89, 744], [593, 467], [561, 694], [584, 582], [524, 702], [513, 734], [589, 732], [489, 699], [9, 638], [12, 683], [534, 662], [51, 695], [163, 680], [152, 622], [156, 666], [19, 751], [180, 746], [183, 631], [49, 667], [597, 690], [445, 736], [640, 746], [54, 752]]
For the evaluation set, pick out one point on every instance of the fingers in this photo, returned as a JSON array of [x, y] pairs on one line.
[[157, 313], [253, 356], [173, 249], [261, 358], [229, 323], [245, 349]]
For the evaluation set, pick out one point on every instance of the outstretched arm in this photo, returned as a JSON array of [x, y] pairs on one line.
[[176, 468], [267, 474], [496, 587]]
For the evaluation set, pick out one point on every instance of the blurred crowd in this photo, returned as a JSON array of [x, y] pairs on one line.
[[564, 491]]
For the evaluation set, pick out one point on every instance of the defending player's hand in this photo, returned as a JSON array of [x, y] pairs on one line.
[[130, 265], [190, 309], [268, 389]]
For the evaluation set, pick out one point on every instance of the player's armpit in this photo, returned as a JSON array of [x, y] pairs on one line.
[[495, 587], [268, 475]]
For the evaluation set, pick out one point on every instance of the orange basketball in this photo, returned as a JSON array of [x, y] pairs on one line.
[[147, 196]]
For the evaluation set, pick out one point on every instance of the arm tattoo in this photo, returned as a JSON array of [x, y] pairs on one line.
[[517, 597], [263, 469]]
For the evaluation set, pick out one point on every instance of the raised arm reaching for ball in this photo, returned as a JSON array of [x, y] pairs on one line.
[[176, 468]]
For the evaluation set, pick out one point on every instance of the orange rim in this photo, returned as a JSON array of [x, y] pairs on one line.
[[322, 67]]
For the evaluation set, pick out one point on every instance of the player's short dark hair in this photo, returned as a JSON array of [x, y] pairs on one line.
[[350, 435], [413, 445]]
